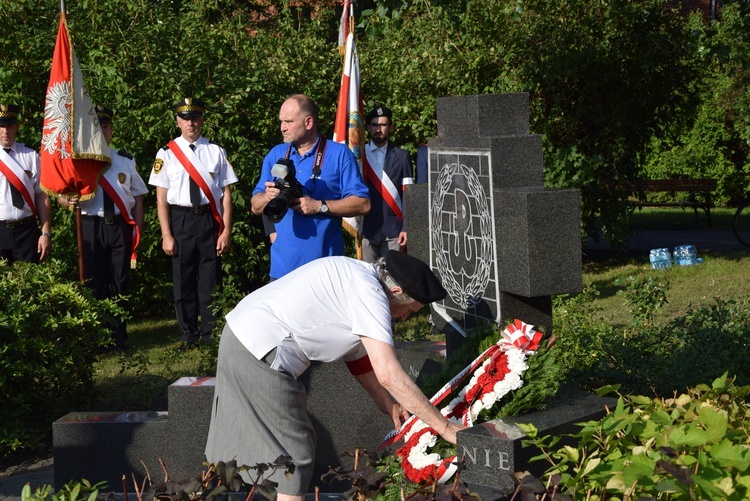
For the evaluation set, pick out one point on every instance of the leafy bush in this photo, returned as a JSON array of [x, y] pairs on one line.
[[690, 446], [647, 357], [50, 331]]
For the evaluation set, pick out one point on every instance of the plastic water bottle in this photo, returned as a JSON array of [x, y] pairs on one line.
[[686, 255], [660, 259]]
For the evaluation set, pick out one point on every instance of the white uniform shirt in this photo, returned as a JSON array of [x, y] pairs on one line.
[[323, 307], [122, 171], [29, 160], [175, 178], [376, 155]]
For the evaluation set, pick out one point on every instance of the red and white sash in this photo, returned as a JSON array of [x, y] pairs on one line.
[[118, 195], [199, 173], [384, 185], [16, 176]]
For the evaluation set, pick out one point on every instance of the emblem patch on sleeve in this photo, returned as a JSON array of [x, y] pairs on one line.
[[158, 164], [121, 177]]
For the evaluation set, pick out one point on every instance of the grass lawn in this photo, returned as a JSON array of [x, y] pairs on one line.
[[139, 379]]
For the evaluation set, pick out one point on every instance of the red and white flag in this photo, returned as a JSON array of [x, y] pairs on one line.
[[344, 26], [349, 125], [74, 152]]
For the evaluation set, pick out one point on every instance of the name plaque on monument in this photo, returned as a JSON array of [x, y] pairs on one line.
[[493, 451]]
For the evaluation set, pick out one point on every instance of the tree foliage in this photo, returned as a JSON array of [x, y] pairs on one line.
[[618, 88]]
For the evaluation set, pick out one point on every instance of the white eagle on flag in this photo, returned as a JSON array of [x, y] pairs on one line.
[[57, 121]]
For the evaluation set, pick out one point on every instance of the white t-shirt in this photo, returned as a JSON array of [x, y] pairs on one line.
[[324, 307]]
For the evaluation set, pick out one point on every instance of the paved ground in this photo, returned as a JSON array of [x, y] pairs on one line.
[[41, 472]]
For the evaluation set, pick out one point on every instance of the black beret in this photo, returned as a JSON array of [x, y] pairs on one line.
[[104, 114], [414, 277], [8, 114], [190, 107], [380, 111]]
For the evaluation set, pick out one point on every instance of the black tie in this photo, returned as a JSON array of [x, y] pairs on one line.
[[15, 195], [195, 191], [109, 207]]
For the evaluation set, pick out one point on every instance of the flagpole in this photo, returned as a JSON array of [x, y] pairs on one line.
[[77, 208], [78, 217]]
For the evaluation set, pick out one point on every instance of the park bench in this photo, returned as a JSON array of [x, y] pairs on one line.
[[698, 190]]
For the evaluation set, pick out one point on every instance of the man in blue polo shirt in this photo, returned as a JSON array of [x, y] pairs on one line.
[[331, 188]]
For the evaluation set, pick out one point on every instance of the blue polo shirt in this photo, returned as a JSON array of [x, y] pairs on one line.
[[299, 238]]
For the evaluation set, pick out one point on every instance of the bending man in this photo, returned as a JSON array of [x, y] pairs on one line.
[[334, 308]]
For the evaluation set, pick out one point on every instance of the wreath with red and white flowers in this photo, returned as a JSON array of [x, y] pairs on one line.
[[496, 372]]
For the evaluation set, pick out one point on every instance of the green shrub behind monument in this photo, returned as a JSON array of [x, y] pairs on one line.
[[50, 331]]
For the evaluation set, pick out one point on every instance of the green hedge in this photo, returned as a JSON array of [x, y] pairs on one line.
[[50, 331]]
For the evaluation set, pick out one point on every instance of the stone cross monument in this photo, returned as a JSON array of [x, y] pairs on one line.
[[501, 243]]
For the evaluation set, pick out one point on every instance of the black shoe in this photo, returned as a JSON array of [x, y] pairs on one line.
[[187, 345]]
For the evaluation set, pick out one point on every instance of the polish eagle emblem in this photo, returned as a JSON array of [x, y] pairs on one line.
[[57, 120]]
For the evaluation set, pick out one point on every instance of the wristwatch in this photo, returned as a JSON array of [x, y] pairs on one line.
[[323, 207]]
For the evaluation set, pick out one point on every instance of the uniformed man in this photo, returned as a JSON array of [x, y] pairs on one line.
[[192, 177], [23, 204], [390, 171], [112, 222]]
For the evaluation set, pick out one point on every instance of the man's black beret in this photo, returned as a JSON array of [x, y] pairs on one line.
[[414, 277], [380, 111]]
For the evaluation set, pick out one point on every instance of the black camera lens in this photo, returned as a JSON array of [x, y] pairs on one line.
[[276, 209]]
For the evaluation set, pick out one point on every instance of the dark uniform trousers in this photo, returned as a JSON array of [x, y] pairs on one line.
[[196, 270], [19, 240], [106, 261]]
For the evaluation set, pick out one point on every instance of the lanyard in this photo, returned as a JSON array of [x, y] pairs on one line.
[[319, 151]]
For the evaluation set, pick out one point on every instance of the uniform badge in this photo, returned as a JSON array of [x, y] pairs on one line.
[[121, 177], [158, 164]]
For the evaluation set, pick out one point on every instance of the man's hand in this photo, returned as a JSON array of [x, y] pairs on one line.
[[402, 239], [67, 200], [169, 245], [259, 201], [449, 433], [223, 242], [306, 205], [44, 247], [398, 414], [271, 190]]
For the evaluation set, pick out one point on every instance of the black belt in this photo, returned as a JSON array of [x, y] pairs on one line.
[[201, 209], [18, 222], [118, 219]]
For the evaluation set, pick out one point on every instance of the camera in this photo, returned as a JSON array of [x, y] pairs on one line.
[[285, 180]]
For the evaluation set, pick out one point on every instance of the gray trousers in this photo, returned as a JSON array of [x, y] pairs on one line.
[[259, 414]]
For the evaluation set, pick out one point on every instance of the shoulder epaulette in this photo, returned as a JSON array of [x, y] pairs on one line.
[[125, 154], [215, 144], [165, 148]]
